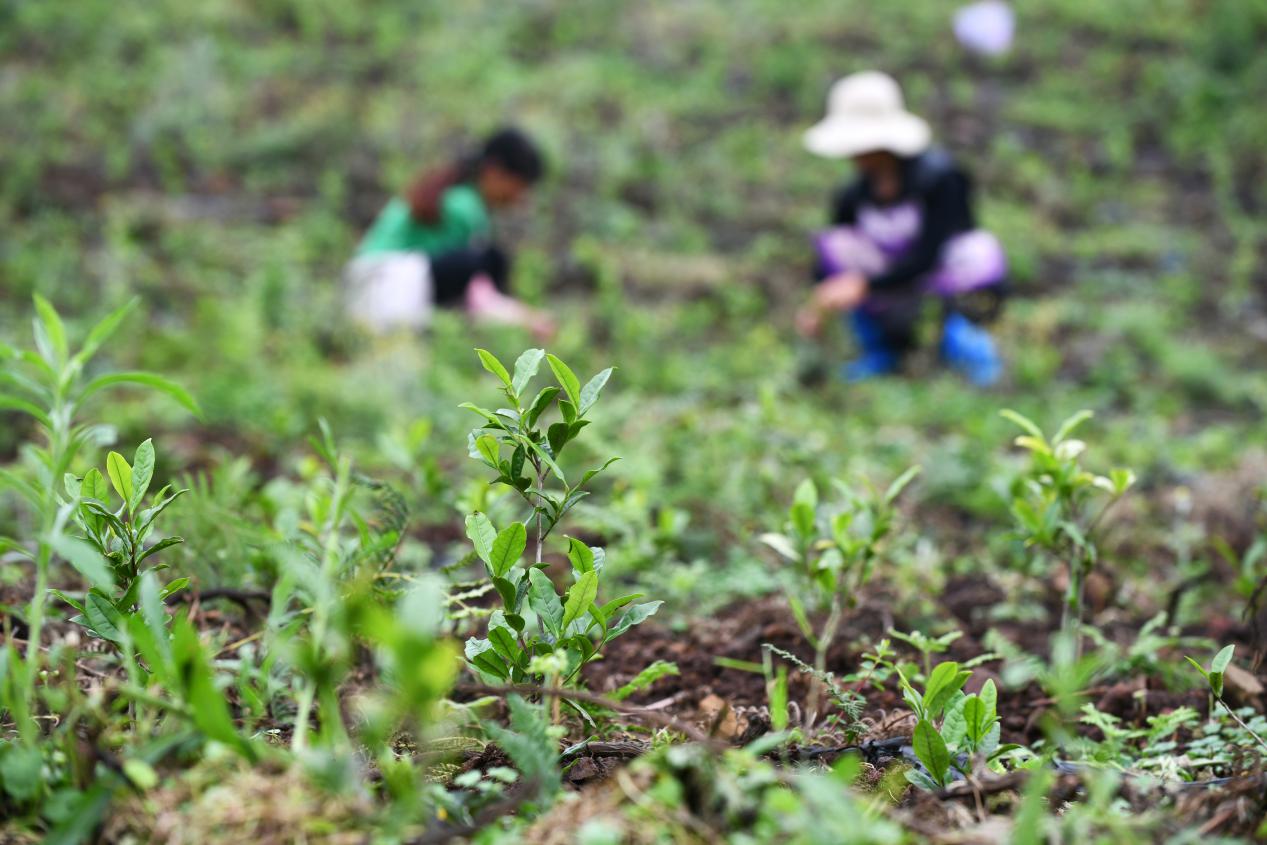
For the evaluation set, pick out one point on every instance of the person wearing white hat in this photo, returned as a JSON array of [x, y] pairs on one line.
[[903, 229]]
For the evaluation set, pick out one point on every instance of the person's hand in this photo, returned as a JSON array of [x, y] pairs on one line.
[[841, 292], [809, 321]]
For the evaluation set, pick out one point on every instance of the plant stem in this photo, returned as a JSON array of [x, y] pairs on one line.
[[1241, 722]]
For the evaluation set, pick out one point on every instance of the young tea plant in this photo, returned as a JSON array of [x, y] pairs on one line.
[[833, 550], [1214, 678], [952, 728], [113, 549], [1059, 506], [523, 449]]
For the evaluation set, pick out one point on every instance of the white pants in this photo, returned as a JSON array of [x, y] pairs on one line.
[[389, 290]]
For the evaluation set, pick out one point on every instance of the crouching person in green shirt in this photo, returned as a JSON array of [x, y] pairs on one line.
[[432, 246]]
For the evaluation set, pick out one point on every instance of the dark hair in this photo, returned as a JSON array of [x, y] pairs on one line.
[[510, 149]]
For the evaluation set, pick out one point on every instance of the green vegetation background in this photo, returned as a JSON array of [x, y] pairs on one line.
[[220, 160]]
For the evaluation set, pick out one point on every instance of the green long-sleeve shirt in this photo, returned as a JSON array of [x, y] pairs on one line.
[[463, 219]]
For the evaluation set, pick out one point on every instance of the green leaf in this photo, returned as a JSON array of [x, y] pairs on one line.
[[1199, 667], [142, 473], [931, 750], [165, 543], [526, 367], [483, 656], [648, 676], [154, 615], [9, 402], [580, 555], [89, 562], [20, 768], [103, 331], [990, 697], [490, 448], [582, 594], [50, 331], [975, 722], [1068, 426], [482, 534], [899, 484], [507, 548], [558, 435], [545, 601], [94, 487], [120, 476], [141, 773], [503, 640], [1222, 659], [567, 379], [539, 405], [635, 615], [589, 393], [946, 680], [104, 620], [490, 362], [1024, 422], [780, 544], [156, 382]]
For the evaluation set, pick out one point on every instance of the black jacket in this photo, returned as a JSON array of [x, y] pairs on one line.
[[943, 192]]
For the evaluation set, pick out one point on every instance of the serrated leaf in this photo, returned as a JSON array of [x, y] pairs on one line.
[[931, 750], [545, 601], [580, 555], [489, 448], [490, 362], [590, 392], [635, 615], [580, 597], [526, 367], [94, 486], [482, 534], [120, 475], [567, 379], [103, 619], [507, 548], [142, 473]]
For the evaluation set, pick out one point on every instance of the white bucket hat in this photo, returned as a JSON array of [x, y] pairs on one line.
[[866, 113]]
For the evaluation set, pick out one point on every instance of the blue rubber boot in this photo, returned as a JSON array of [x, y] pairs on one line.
[[970, 350], [877, 358]]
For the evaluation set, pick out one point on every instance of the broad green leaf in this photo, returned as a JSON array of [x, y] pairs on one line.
[[156, 382], [120, 476], [89, 562], [489, 447], [931, 750], [1222, 659], [580, 555], [483, 656], [153, 613], [802, 515], [806, 494], [526, 367], [142, 472], [545, 601], [974, 716], [990, 697], [946, 680], [954, 726], [567, 379], [104, 620], [582, 594], [539, 405], [490, 362], [94, 487], [590, 392], [503, 640], [482, 534], [655, 671], [507, 548]]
